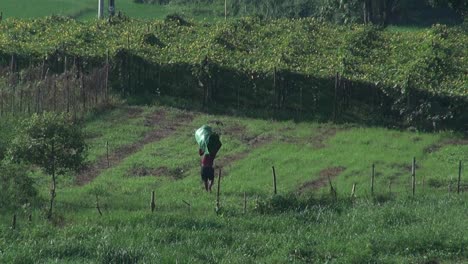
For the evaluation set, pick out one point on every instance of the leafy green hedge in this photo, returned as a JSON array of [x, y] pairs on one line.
[[418, 76]]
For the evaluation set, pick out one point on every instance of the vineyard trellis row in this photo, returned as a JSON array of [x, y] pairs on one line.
[[35, 90], [78, 89], [277, 66]]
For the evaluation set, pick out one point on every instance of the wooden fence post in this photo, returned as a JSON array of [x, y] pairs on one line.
[[217, 193], [459, 176], [274, 179], [245, 203], [274, 88], [335, 104], [67, 88], [153, 204], [372, 179], [107, 77], [413, 176], [13, 223], [107, 154]]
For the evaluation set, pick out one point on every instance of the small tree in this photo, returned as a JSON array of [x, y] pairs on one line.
[[53, 143], [16, 187]]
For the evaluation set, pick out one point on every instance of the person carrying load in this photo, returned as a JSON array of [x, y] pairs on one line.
[[208, 146]]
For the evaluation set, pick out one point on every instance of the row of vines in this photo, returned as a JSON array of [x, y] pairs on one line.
[[418, 78]]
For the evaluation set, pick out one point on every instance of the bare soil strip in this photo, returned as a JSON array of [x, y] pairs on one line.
[[317, 141], [163, 127], [322, 180], [437, 146]]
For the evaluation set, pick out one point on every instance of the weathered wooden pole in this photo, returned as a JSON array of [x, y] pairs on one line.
[[335, 103], [52, 191], [218, 191], [459, 176], [372, 179], [274, 180], [274, 88], [153, 204], [13, 223], [107, 77], [413, 176], [245, 203], [107, 154]]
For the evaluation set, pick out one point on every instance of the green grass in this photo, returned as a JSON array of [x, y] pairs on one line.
[[392, 228], [87, 9], [28, 9]]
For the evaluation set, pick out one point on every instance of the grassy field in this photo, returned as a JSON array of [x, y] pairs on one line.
[[87, 9], [152, 148]]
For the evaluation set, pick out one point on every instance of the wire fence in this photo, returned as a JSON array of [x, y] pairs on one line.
[[36, 89], [242, 202]]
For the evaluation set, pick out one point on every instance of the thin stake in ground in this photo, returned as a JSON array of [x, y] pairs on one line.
[[217, 193], [274, 180], [107, 154], [245, 203], [372, 179], [459, 176], [413, 176], [153, 204], [13, 223]]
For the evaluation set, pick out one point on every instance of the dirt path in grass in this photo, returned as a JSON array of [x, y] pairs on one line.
[[324, 174], [445, 142], [163, 126]]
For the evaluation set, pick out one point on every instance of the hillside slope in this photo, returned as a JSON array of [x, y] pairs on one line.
[[153, 148]]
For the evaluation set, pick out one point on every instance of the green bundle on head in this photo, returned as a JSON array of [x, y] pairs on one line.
[[208, 141]]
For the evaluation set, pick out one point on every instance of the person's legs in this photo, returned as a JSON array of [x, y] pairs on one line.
[[210, 185], [204, 178], [207, 187], [211, 179]]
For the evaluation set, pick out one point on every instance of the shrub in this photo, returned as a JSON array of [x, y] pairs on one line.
[[16, 187]]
